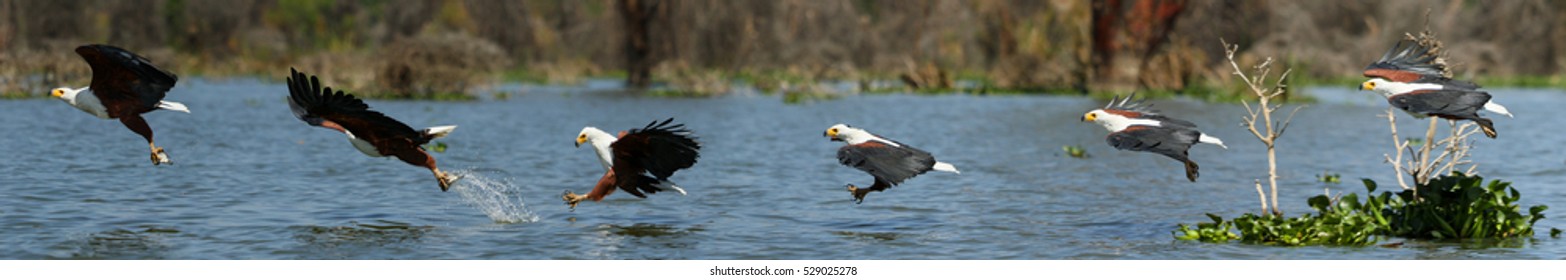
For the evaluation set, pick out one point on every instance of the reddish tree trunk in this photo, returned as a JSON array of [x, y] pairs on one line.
[[1105, 14], [1139, 31], [1152, 20]]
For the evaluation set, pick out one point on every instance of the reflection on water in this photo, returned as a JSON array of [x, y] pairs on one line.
[[252, 182], [650, 231], [881, 236], [637, 241], [379, 233], [145, 242]]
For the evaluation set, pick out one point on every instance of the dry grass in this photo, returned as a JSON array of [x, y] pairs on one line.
[[684, 80], [25, 74], [427, 66]]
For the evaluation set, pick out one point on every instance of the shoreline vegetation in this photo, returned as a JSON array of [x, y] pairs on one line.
[[447, 49]]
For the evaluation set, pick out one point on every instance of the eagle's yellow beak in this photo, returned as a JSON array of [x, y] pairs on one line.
[[1367, 85], [57, 93], [1089, 117], [580, 139], [830, 133]]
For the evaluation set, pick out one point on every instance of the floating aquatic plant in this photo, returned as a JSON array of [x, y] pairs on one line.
[[1456, 206], [1330, 178], [1074, 151]]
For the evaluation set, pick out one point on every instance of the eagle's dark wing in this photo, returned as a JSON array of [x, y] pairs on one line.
[[659, 149], [126, 83], [1445, 102], [886, 162], [1406, 63], [1455, 104], [324, 107], [1171, 142]]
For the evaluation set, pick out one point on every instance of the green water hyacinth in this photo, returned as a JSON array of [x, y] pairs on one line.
[[1330, 178], [1217, 231], [1074, 151], [1456, 206]]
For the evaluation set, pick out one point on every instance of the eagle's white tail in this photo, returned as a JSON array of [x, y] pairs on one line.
[[1211, 140], [173, 106], [1497, 108], [668, 185], [439, 131], [947, 167]]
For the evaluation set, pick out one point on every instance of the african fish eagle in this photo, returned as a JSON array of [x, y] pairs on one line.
[[124, 86], [1134, 127], [890, 162], [1410, 78], [639, 161], [371, 132]]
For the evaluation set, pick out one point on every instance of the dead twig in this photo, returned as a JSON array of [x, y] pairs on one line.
[[1268, 131]]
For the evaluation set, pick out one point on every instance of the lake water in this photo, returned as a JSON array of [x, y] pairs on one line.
[[252, 182]]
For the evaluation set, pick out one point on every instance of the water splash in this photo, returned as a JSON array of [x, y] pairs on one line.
[[497, 198]]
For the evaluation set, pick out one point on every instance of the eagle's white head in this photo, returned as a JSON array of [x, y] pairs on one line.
[[847, 134], [593, 136], [1115, 120], [600, 141], [67, 94]]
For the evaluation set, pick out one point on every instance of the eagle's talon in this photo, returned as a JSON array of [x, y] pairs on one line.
[[160, 157], [571, 199], [445, 179], [859, 198]]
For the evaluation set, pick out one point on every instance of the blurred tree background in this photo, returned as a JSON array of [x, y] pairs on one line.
[[426, 48]]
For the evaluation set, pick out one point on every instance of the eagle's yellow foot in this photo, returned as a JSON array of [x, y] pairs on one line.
[[446, 179], [572, 199], [160, 157], [859, 194]]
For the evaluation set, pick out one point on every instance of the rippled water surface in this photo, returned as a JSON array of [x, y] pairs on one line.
[[252, 182]]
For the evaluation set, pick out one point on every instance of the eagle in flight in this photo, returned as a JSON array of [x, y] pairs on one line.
[[639, 161], [1410, 77], [1134, 127], [124, 86], [890, 162], [371, 132]]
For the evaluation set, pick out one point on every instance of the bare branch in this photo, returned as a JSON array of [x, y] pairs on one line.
[[1287, 121], [1263, 196], [1397, 145], [1258, 119]]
